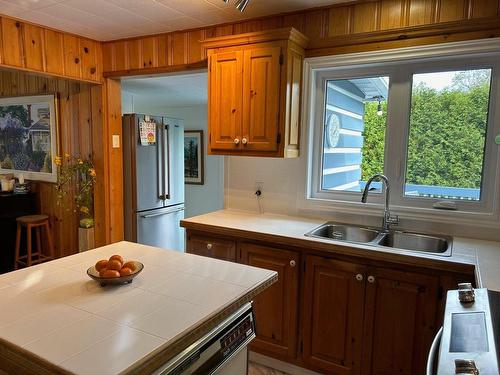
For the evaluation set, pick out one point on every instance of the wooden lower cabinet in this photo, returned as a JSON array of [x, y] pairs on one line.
[[400, 321], [276, 308], [212, 247], [355, 318], [370, 321], [333, 305]]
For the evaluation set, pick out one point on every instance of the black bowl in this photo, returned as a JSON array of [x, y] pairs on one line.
[[93, 274]]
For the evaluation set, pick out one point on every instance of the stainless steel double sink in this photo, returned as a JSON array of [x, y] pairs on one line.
[[395, 239]]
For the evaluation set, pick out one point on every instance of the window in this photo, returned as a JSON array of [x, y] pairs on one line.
[[354, 132], [448, 123], [427, 123]]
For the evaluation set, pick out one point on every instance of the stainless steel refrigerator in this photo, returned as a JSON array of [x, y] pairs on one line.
[[153, 156]]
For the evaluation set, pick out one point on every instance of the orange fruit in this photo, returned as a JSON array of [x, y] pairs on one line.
[[101, 265], [125, 271], [115, 265], [111, 274], [130, 265], [117, 257]]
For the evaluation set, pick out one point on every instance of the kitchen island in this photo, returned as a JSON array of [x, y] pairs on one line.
[[55, 320]]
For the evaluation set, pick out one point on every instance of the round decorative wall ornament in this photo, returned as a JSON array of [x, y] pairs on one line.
[[333, 130]]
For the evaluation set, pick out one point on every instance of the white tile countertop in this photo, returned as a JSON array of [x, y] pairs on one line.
[[483, 255], [57, 313]]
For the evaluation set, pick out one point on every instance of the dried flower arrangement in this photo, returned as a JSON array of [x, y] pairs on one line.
[[78, 172]]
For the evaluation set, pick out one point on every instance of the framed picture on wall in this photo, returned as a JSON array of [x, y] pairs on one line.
[[193, 157], [28, 139]]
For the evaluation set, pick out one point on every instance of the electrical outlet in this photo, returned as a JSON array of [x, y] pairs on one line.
[[259, 187]]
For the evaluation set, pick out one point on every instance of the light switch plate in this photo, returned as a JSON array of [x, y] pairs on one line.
[[116, 141]]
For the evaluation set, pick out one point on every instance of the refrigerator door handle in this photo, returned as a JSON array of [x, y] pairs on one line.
[[163, 213], [166, 160], [159, 164]]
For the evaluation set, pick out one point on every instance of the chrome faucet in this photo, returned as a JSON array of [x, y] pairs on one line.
[[388, 219]]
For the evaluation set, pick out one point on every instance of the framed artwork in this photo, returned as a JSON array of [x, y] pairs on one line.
[[28, 138], [193, 157]]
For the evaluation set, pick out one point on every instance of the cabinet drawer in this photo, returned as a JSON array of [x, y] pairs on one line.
[[212, 247]]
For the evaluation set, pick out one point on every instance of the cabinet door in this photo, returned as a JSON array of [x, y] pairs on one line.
[[54, 52], [211, 247], [33, 47], [400, 319], [225, 109], [88, 52], [11, 41], [72, 58], [276, 307], [333, 315], [261, 93]]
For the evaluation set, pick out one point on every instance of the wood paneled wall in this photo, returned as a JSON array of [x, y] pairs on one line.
[[351, 27], [79, 126], [38, 49]]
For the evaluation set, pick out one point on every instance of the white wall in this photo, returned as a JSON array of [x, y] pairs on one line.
[[279, 179], [200, 199]]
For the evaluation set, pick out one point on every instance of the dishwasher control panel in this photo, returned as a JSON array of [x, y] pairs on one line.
[[214, 350], [239, 334]]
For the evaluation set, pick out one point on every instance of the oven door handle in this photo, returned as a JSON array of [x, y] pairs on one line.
[[433, 352]]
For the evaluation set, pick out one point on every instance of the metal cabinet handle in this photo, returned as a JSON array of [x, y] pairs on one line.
[[359, 277], [371, 279], [244, 141], [293, 263], [236, 141], [209, 246]]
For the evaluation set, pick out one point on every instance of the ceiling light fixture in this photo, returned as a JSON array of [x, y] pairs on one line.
[[240, 5]]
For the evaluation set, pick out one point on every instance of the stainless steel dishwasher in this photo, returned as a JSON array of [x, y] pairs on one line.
[[469, 342], [222, 351]]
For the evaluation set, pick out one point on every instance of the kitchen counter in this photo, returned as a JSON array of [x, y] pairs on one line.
[[56, 320], [483, 257]]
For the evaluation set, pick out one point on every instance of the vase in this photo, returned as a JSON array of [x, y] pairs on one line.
[[85, 239]]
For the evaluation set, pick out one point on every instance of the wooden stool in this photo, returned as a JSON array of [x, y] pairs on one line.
[[30, 222]]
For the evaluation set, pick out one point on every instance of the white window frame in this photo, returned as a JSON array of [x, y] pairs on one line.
[[483, 53]]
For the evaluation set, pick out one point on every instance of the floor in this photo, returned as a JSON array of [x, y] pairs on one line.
[[257, 369]]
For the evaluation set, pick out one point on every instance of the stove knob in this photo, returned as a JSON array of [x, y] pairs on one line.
[[465, 366], [466, 293]]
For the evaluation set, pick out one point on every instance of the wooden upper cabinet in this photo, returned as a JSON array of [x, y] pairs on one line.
[[254, 93], [333, 306], [225, 102], [261, 91], [276, 308], [89, 59], [54, 52], [33, 47], [72, 56], [12, 42], [400, 321]]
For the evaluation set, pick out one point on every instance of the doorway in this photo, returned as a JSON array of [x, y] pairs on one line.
[[182, 97]]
